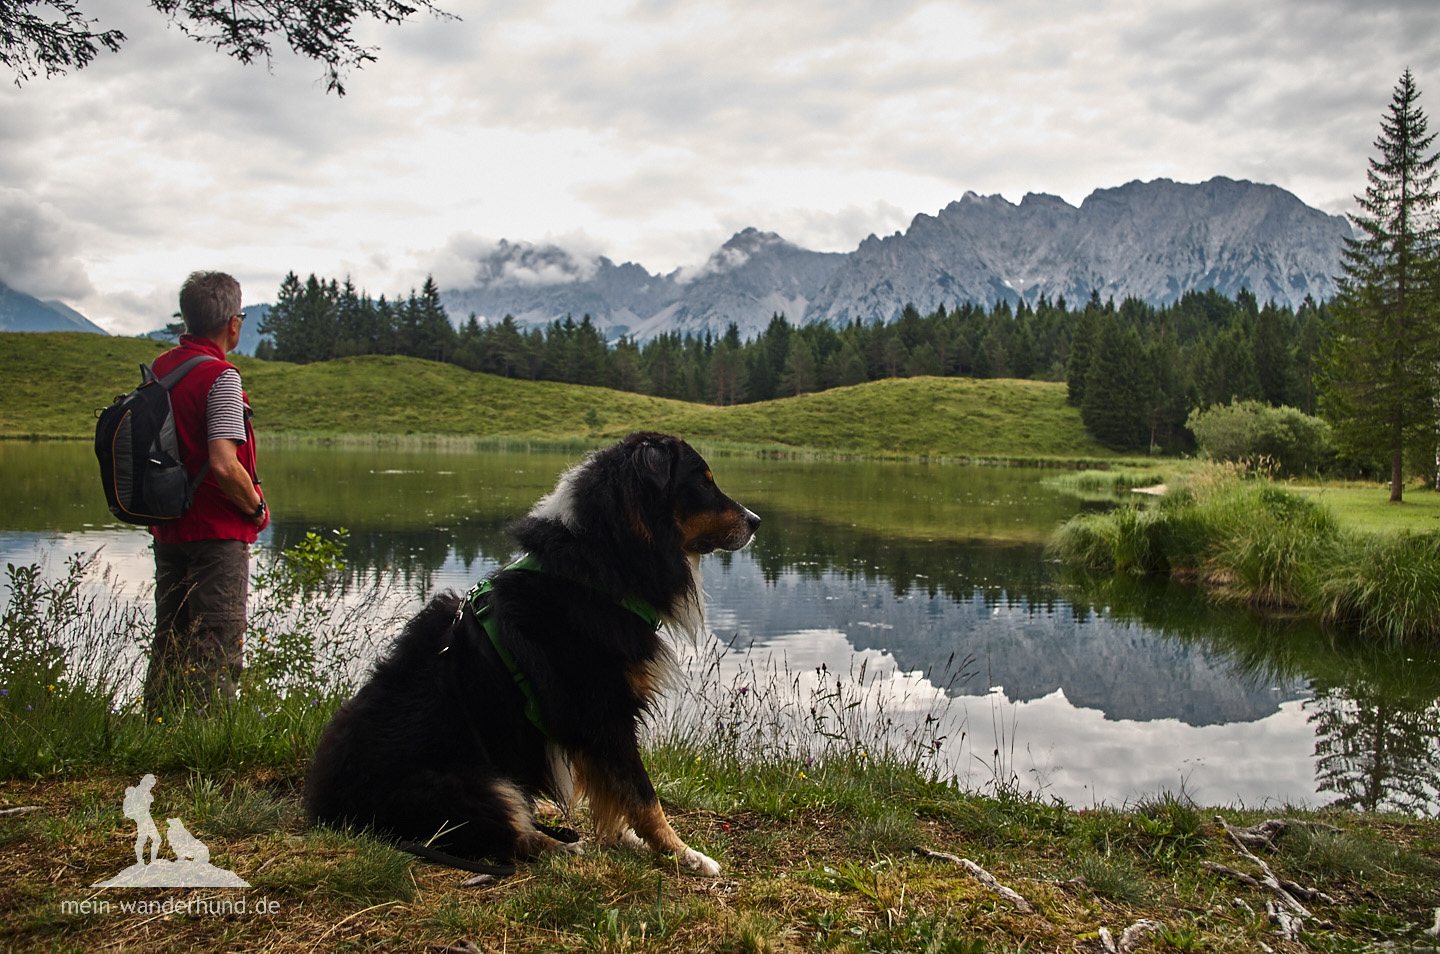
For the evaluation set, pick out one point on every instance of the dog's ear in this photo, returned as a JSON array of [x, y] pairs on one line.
[[654, 462]]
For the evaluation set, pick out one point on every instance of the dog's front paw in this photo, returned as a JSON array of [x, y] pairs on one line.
[[693, 861]]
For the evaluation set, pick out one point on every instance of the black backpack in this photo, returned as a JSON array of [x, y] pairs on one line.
[[145, 481]]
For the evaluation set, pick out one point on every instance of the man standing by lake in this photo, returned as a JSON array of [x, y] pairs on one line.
[[202, 560]]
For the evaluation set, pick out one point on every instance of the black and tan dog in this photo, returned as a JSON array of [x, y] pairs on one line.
[[534, 684]]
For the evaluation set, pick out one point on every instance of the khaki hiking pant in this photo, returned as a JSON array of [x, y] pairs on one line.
[[200, 593]]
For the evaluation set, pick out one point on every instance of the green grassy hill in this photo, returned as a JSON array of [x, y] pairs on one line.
[[54, 382]]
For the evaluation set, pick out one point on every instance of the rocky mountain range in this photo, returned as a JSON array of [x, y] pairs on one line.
[[1149, 240]]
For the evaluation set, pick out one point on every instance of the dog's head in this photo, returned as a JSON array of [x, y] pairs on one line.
[[652, 487], [707, 518]]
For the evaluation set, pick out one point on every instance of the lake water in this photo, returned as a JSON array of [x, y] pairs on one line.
[[932, 580]]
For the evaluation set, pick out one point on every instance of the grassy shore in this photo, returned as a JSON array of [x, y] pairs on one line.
[[1251, 540], [54, 383], [815, 858]]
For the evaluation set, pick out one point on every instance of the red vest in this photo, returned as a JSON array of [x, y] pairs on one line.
[[212, 516]]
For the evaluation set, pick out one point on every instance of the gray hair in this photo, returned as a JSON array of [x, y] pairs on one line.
[[207, 301]]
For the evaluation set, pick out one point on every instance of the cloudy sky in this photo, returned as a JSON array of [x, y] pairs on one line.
[[650, 131]]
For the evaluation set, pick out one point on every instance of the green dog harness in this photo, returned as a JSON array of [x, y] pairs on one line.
[[477, 600]]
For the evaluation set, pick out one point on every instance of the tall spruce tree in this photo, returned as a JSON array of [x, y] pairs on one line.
[[1117, 388], [1380, 368], [1082, 351]]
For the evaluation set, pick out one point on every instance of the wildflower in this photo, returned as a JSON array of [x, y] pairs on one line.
[[50, 688], [4, 692], [802, 776]]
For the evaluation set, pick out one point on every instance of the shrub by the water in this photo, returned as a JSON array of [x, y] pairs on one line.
[[1253, 430]]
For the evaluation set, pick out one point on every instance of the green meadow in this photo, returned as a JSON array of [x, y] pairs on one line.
[[55, 382]]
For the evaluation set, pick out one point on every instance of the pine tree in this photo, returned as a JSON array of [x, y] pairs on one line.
[[1274, 362], [1379, 387], [661, 361], [800, 367], [507, 350], [1117, 388], [1082, 351], [281, 322], [431, 334]]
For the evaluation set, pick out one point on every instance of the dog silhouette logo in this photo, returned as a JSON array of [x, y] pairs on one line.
[[191, 867]]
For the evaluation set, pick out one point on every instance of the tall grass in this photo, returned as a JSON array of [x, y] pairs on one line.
[[748, 707], [72, 660], [72, 657], [1388, 585], [1249, 540]]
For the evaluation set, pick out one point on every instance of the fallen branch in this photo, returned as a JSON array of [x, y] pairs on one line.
[[981, 875], [1130, 938], [22, 810], [478, 880], [1285, 922], [1240, 876], [1269, 880], [1262, 835], [1309, 894]]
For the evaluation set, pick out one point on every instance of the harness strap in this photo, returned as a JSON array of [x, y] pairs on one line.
[[477, 600]]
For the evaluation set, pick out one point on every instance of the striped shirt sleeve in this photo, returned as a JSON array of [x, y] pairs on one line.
[[224, 408]]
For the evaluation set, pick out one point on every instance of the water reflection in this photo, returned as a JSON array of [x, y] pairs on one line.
[[1375, 714], [1088, 691]]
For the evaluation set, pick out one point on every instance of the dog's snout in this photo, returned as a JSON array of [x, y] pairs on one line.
[[752, 519]]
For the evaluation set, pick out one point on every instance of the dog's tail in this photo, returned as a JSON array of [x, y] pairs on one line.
[[455, 861], [559, 833]]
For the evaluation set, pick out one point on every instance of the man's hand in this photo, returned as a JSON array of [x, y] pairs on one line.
[[235, 481]]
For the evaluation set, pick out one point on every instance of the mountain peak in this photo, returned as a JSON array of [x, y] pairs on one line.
[[1151, 240], [22, 312]]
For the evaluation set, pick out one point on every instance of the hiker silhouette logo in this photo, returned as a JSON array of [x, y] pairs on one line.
[[191, 867]]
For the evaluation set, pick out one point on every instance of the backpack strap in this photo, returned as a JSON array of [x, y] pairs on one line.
[[167, 384], [179, 371]]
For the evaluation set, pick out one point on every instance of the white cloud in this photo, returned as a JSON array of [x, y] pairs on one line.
[[467, 260], [725, 259], [657, 129], [38, 249]]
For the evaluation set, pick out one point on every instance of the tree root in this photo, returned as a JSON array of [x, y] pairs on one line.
[[1285, 910], [981, 875]]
